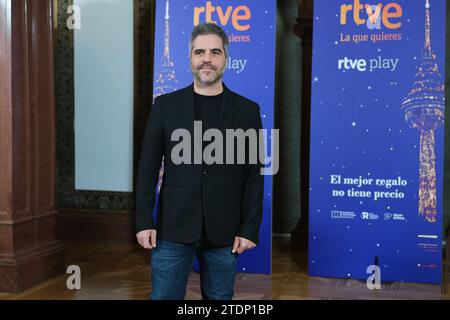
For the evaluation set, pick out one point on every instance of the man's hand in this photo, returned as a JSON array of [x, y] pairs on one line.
[[147, 238], [242, 244]]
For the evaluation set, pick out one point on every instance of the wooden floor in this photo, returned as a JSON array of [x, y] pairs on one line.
[[121, 271]]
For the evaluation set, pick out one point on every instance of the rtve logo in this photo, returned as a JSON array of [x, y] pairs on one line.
[[376, 14], [238, 16]]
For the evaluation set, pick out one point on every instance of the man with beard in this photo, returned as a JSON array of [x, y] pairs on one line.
[[210, 211]]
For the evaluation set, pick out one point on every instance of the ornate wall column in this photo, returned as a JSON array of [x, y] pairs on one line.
[[304, 29], [286, 183], [29, 251]]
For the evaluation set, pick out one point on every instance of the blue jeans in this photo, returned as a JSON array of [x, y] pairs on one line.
[[172, 263]]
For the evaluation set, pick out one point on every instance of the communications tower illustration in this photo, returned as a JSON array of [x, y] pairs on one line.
[[165, 80], [424, 110]]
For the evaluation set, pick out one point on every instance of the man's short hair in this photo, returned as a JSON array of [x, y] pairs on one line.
[[209, 28]]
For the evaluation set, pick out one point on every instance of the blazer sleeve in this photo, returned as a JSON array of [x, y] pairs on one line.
[[252, 204], [152, 151]]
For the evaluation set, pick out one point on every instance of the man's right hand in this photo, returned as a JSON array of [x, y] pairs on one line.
[[147, 238]]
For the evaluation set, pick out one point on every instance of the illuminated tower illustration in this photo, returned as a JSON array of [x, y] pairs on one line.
[[165, 80], [424, 110]]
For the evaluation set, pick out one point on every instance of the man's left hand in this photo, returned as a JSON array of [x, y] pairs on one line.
[[242, 244]]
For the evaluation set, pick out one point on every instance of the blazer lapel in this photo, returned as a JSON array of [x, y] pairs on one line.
[[186, 106], [228, 103]]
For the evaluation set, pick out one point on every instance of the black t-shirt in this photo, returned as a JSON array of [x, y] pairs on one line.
[[206, 109]]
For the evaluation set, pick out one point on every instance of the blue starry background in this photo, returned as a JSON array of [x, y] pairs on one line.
[[256, 82], [358, 129]]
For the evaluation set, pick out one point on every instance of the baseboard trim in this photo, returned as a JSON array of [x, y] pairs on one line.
[[96, 226]]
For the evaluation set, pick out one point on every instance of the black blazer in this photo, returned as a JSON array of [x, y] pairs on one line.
[[229, 196]]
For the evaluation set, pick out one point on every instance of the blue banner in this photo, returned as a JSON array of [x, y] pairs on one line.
[[250, 25], [376, 166]]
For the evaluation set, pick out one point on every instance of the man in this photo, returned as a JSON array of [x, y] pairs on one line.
[[212, 211]]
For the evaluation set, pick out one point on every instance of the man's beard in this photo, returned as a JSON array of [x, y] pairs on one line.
[[218, 74]]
